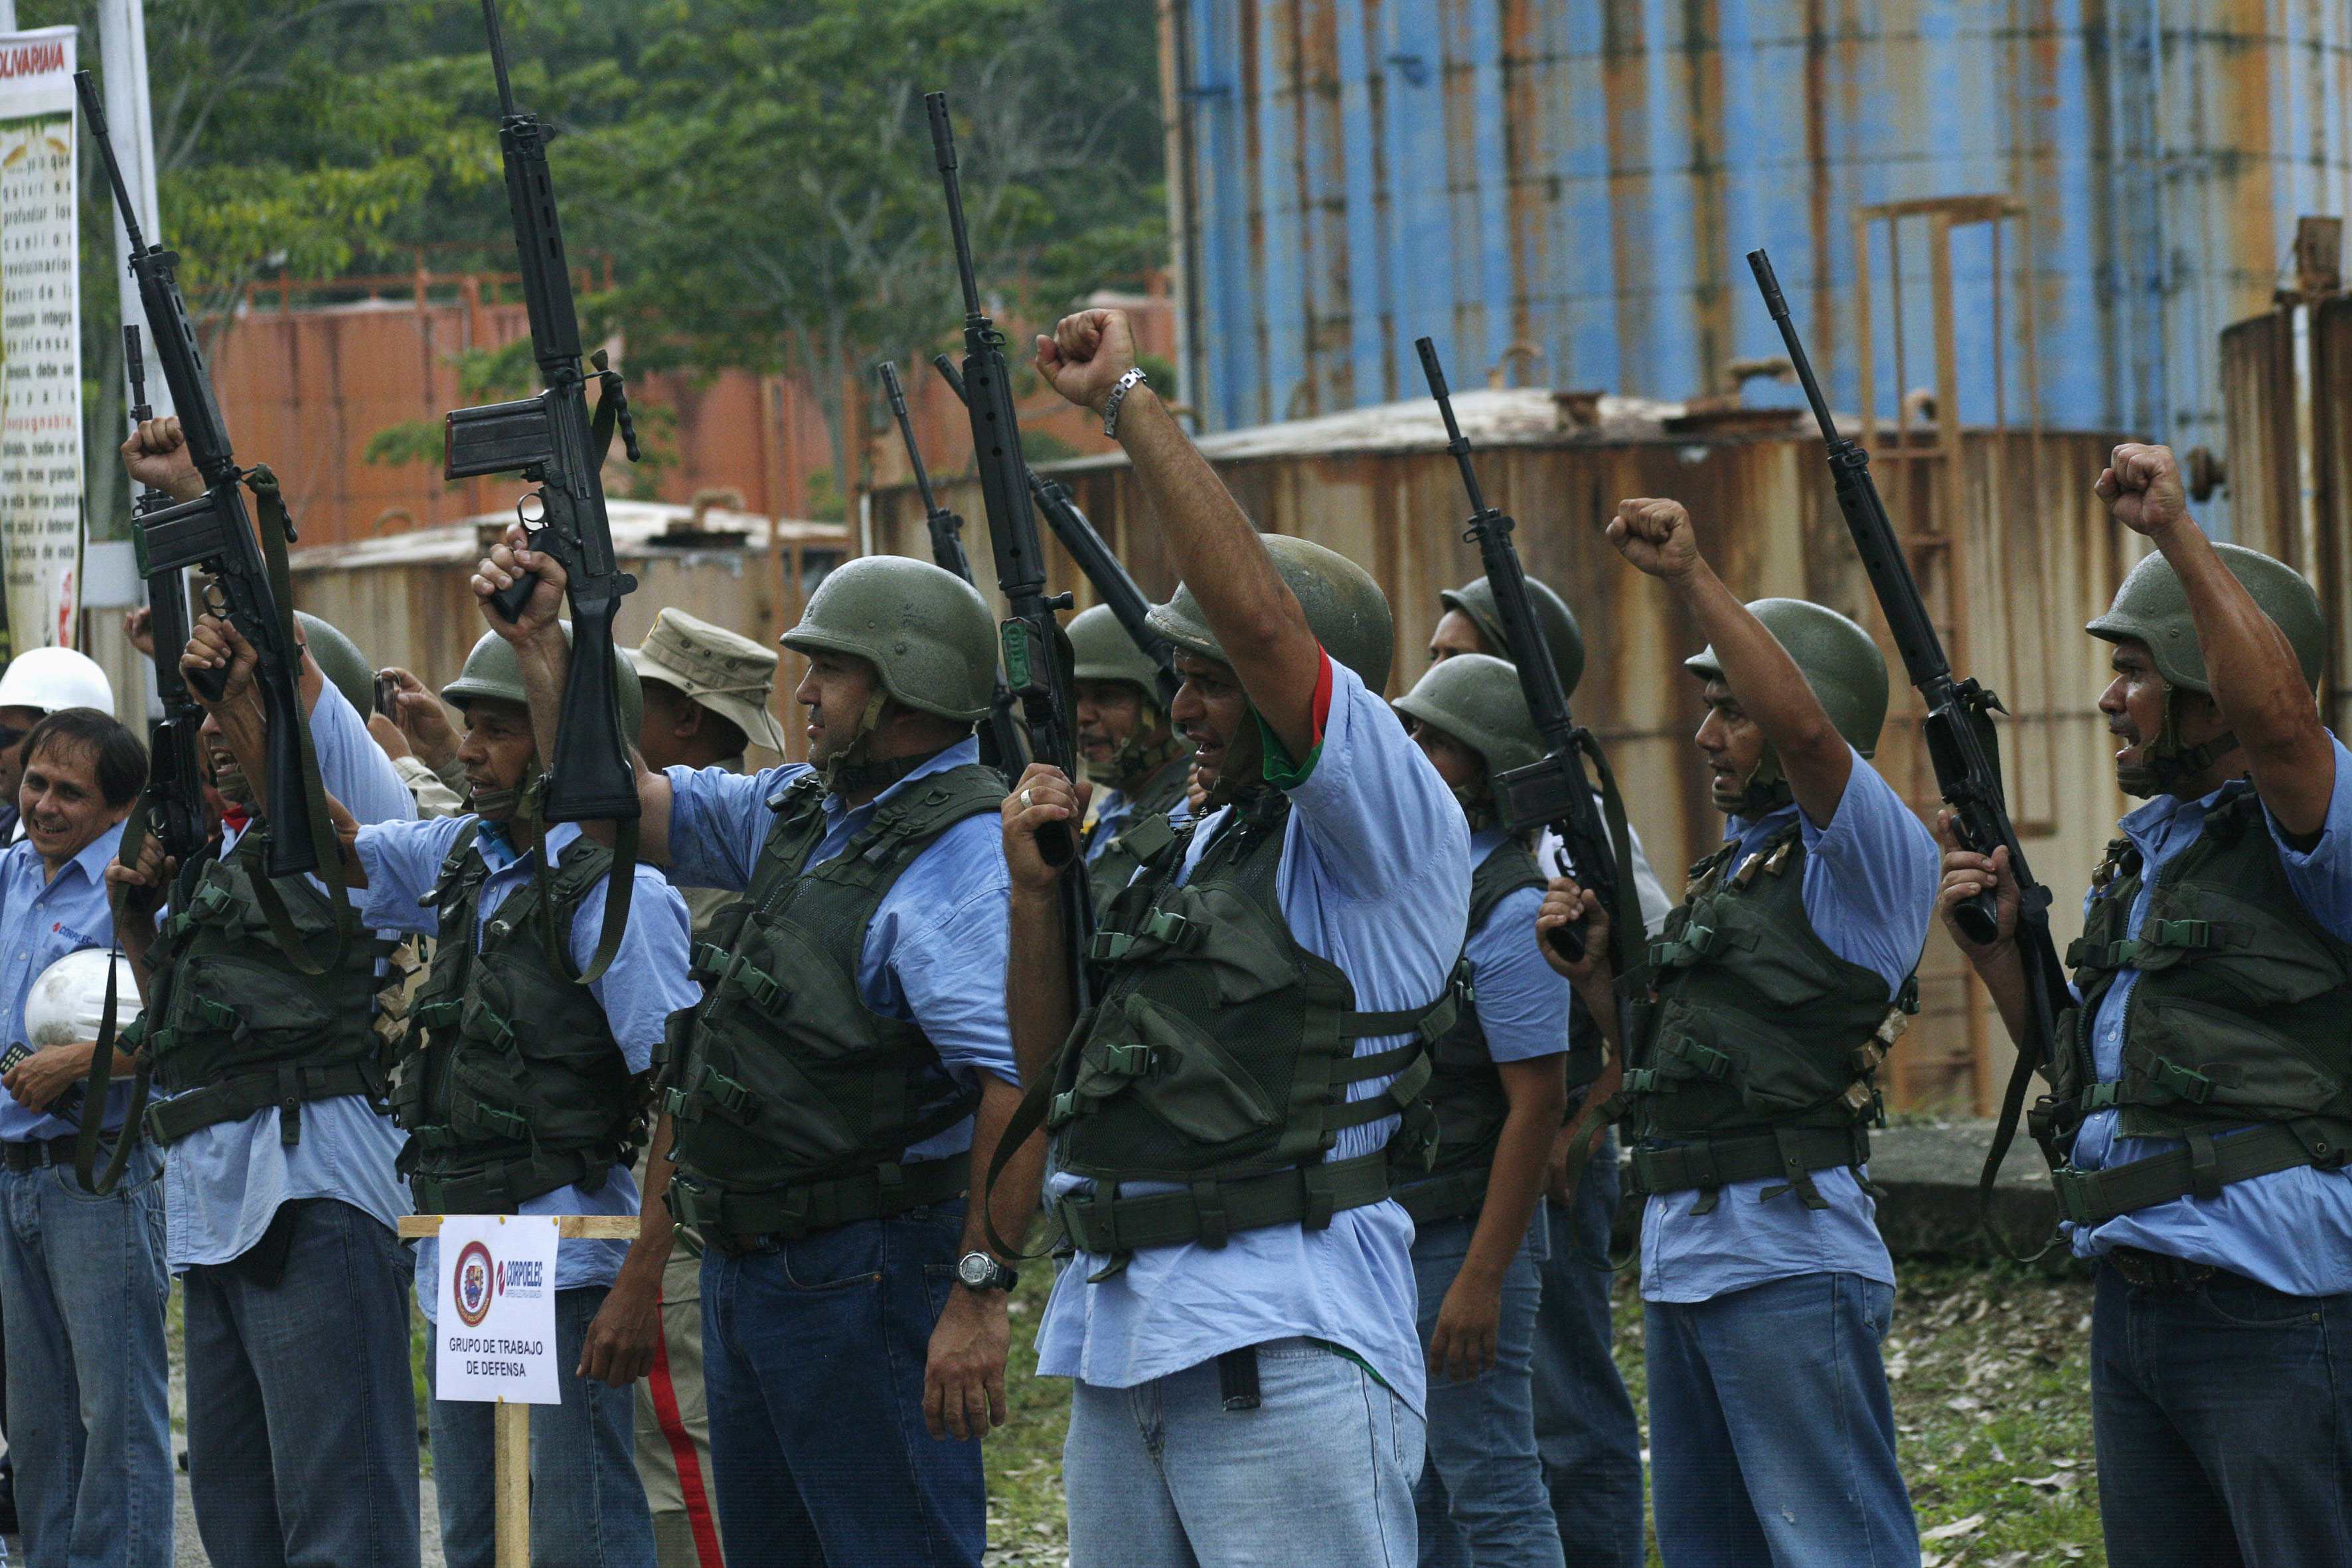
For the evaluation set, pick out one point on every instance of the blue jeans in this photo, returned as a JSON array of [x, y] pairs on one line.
[[587, 1506], [302, 1445], [83, 1283], [2222, 1414], [1162, 1475], [1481, 1498], [813, 1357], [1771, 1436], [1585, 1426]]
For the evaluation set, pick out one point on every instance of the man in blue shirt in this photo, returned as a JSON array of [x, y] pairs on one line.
[[1586, 1432], [82, 1281], [2200, 1105], [1780, 983], [1239, 1318], [299, 1447], [522, 1092], [847, 1077], [1132, 753], [1499, 1093]]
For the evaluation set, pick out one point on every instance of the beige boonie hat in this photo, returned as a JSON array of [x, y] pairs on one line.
[[724, 671]]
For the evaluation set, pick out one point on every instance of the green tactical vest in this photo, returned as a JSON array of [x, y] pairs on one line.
[[2239, 1015], [1219, 1054], [793, 1101], [1466, 1089], [1147, 832], [238, 1029], [1759, 1044], [517, 1087]]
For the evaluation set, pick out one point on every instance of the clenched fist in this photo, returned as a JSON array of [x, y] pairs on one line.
[[1655, 535], [1087, 355], [2141, 485]]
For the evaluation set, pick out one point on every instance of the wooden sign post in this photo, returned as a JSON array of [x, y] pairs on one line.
[[510, 1479]]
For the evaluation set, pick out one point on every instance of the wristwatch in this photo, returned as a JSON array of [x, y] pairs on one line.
[[979, 1271]]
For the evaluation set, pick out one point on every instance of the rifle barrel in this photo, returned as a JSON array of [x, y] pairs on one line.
[[1768, 283], [96, 111], [1456, 442], [935, 104], [499, 56], [898, 396]]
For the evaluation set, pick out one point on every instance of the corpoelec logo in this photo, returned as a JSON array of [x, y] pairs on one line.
[[473, 1284]]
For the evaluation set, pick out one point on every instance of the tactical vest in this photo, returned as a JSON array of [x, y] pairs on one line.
[[1758, 1051], [2241, 1016], [793, 1101], [234, 1027], [514, 1085], [1220, 1053], [1146, 833], [1465, 1088]]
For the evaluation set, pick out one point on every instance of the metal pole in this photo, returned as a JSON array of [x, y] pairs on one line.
[[122, 57], [7, 15]]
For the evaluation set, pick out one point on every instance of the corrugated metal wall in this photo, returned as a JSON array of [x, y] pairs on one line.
[[1582, 177], [1770, 522]]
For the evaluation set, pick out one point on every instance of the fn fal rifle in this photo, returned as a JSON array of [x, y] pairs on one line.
[[1960, 741], [551, 441], [1000, 733], [1552, 792], [172, 805], [1112, 585]]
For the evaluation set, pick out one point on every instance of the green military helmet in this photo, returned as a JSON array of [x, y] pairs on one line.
[[926, 631], [340, 660], [1561, 634], [1101, 650], [492, 670], [2151, 607], [1345, 609], [1475, 698], [1840, 661]]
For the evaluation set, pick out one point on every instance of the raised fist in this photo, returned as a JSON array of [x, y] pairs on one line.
[[2141, 485]]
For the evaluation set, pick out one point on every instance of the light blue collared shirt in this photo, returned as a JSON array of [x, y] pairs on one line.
[[646, 984], [1375, 876], [1869, 893], [42, 919], [934, 955], [1522, 1001], [2291, 1229], [223, 1183]]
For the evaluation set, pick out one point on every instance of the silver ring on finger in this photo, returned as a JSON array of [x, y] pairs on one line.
[[1025, 800]]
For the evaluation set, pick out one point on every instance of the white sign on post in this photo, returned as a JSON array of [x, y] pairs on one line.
[[494, 1322], [40, 339]]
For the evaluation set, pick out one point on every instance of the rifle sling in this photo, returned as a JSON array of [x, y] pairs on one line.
[[620, 883], [88, 1138], [1633, 978]]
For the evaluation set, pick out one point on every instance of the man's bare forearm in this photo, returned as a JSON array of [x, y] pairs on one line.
[[2257, 681], [657, 1232], [1037, 999]]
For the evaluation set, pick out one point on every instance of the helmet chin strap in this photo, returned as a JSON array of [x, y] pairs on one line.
[[1477, 804], [1136, 756], [2165, 761], [850, 772], [1766, 790]]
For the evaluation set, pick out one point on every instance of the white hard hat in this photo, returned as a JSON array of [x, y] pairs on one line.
[[67, 1003], [50, 678]]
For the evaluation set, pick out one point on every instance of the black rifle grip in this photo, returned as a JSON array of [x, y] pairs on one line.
[[1056, 845], [509, 600], [1979, 918], [211, 685], [1568, 941]]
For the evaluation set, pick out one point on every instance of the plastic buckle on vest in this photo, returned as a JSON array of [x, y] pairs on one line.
[[1209, 1211], [761, 987], [1705, 1059], [438, 1014], [710, 961], [2179, 933], [212, 899], [2101, 1096], [220, 1015], [2073, 1189], [1644, 1080], [1065, 1108], [2193, 1087], [1128, 1061]]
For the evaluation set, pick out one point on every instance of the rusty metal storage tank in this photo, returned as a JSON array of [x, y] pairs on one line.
[[1564, 189]]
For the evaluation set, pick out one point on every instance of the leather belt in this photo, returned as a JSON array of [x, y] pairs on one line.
[[2155, 1271]]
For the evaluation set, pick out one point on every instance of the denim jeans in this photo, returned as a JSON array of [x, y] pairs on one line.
[[84, 1285], [1481, 1498], [587, 1506], [1771, 1436], [1162, 1475], [813, 1357], [2222, 1414], [1585, 1426], [302, 1444]]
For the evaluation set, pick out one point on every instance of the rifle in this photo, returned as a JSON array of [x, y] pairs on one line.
[[1554, 791], [551, 441], [1036, 654], [214, 533], [1035, 662], [1961, 742], [172, 805], [1112, 585], [1000, 734]]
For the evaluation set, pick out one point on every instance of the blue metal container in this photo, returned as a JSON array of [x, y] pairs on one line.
[[1566, 188]]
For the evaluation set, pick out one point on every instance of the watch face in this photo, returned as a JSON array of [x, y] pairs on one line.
[[975, 1268]]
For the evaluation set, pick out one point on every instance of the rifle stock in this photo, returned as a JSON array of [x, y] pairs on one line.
[[1959, 731]]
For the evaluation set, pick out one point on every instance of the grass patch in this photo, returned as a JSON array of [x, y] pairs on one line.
[[1991, 1373]]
